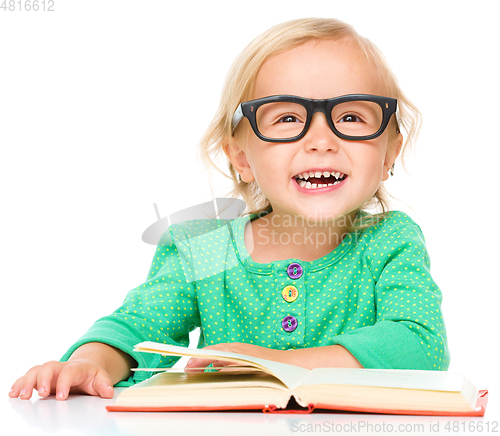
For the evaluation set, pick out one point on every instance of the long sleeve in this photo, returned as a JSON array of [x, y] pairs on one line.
[[162, 309], [409, 331]]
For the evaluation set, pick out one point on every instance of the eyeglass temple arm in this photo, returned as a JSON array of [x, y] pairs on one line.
[[237, 117]]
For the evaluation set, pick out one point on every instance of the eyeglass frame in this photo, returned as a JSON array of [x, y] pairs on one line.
[[248, 110]]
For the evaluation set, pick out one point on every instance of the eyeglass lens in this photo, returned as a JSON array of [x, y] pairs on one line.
[[282, 120]]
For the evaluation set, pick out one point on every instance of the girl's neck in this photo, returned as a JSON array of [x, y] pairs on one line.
[[277, 237]]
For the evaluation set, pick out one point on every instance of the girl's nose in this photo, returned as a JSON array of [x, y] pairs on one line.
[[320, 136]]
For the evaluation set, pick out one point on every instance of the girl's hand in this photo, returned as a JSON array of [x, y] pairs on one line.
[[235, 347], [331, 356], [83, 376]]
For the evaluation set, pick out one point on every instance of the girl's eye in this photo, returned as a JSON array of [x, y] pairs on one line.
[[350, 119], [288, 119]]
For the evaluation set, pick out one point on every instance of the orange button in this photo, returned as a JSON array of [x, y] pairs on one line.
[[290, 293]]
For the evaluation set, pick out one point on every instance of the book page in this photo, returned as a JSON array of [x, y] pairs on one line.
[[212, 381], [390, 378], [205, 389], [290, 375]]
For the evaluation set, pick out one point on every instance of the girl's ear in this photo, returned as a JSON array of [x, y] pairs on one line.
[[393, 150], [238, 159]]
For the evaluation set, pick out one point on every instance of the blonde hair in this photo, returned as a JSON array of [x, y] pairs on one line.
[[240, 82]]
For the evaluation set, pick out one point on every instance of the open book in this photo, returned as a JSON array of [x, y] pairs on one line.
[[277, 387]]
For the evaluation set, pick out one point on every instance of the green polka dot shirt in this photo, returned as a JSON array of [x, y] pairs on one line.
[[373, 294]]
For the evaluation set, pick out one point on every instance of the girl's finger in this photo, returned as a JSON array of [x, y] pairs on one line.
[[197, 362], [45, 378], [103, 385], [69, 376], [16, 388], [28, 382]]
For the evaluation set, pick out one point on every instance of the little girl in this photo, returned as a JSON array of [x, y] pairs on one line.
[[310, 123]]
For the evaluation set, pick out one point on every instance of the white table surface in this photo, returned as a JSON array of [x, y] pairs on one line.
[[85, 415]]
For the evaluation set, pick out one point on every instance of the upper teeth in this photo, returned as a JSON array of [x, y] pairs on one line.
[[318, 174]]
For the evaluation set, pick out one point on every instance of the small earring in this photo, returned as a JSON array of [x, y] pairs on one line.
[[391, 171], [239, 177]]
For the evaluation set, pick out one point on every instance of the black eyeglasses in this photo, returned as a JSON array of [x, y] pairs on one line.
[[286, 118]]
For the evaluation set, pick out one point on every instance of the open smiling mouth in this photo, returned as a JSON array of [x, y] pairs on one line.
[[316, 180]]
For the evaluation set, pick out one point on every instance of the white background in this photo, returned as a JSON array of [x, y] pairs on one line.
[[103, 102]]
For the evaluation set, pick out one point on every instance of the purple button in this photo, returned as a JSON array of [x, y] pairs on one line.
[[294, 270], [289, 323]]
